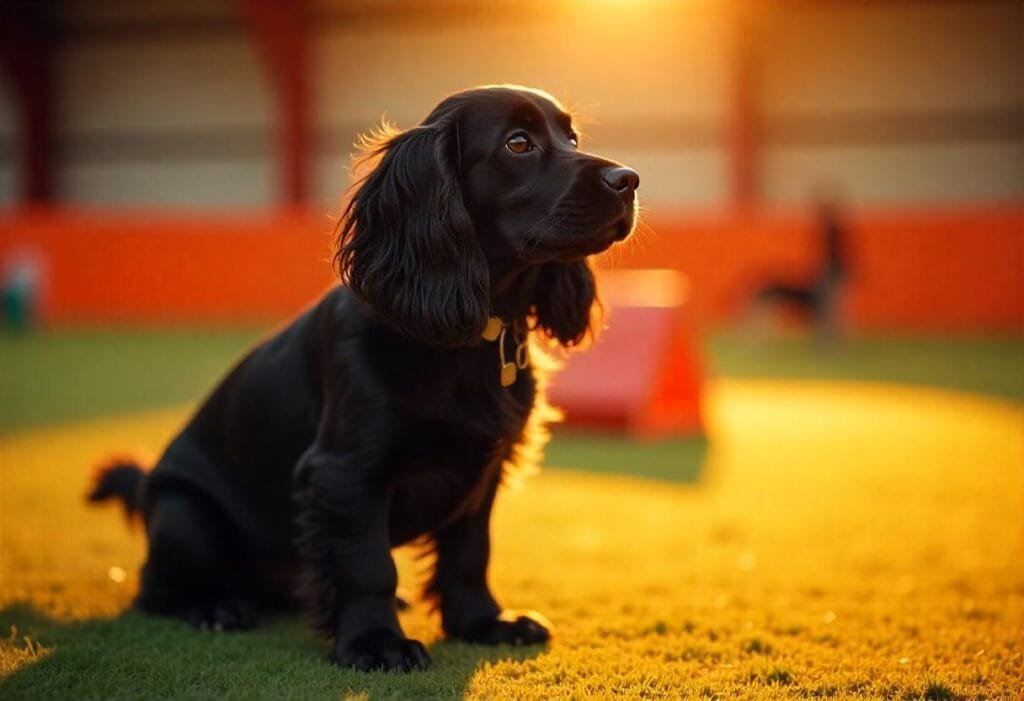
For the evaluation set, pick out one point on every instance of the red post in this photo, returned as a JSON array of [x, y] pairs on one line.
[[26, 54], [277, 28], [742, 133]]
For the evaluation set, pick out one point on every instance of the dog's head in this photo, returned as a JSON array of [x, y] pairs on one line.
[[491, 185]]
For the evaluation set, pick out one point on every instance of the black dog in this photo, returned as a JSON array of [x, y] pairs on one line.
[[389, 411]]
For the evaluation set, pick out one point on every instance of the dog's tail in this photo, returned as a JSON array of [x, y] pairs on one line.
[[119, 479]]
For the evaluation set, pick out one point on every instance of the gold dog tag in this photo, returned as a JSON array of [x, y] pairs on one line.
[[492, 329], [508, 374], [522, 356]]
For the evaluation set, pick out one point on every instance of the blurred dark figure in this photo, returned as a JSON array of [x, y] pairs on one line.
[[820, 301]]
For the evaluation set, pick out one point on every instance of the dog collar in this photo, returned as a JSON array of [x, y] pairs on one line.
[[496, 330]]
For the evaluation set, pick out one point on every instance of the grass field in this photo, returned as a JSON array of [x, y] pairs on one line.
[[844, 540], [81, 373]]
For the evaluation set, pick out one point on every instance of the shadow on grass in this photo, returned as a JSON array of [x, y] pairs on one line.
[[137, 656]]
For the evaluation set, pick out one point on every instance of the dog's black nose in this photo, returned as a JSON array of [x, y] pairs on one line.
[[623, 180]]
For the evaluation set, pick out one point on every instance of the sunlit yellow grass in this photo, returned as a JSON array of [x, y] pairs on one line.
[[845, 540]]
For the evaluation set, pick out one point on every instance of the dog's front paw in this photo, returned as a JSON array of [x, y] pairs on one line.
[[223, 615], [512, 628], [382, 650]]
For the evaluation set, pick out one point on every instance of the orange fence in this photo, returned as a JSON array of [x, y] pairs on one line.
[[173, 267], [935, 269], [953, 269]]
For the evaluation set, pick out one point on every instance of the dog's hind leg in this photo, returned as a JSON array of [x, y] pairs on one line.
[[195, 568]]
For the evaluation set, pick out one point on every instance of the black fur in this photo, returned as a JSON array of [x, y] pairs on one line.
[[565, 301], [377, 417], [120, 479]]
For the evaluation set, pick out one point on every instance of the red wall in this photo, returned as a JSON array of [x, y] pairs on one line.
[[959, 269]]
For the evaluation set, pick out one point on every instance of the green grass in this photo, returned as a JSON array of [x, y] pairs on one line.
[[132, 656], [63, 374], [69, 374], [722, 590], [993, 366], [829, 555], [672, 459]]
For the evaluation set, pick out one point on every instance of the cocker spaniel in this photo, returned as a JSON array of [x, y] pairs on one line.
[[389, 411]]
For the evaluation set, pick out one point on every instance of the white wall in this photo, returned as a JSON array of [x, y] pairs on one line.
[[853, 71], [956, 172], [608, 64], [123, 101], [8, 146], [184, 117]]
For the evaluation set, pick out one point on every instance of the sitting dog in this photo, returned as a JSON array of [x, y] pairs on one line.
[[390, 410]]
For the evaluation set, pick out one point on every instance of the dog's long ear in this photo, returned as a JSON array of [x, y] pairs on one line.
[[565, 301], [406, 245]]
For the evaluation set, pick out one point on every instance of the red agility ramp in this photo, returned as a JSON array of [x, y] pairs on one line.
[[643, 374]]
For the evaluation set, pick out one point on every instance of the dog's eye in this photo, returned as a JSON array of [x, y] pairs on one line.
[[574, 140], [519, 143]]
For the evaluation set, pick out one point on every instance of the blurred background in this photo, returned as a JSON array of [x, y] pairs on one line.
[[836, 187]]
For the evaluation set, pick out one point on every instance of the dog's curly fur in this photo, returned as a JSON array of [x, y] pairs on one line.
[[377, 417]]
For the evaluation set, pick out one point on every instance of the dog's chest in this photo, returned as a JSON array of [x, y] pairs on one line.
[[426, 500], [452, 450], [463, 389], [442, 472]]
